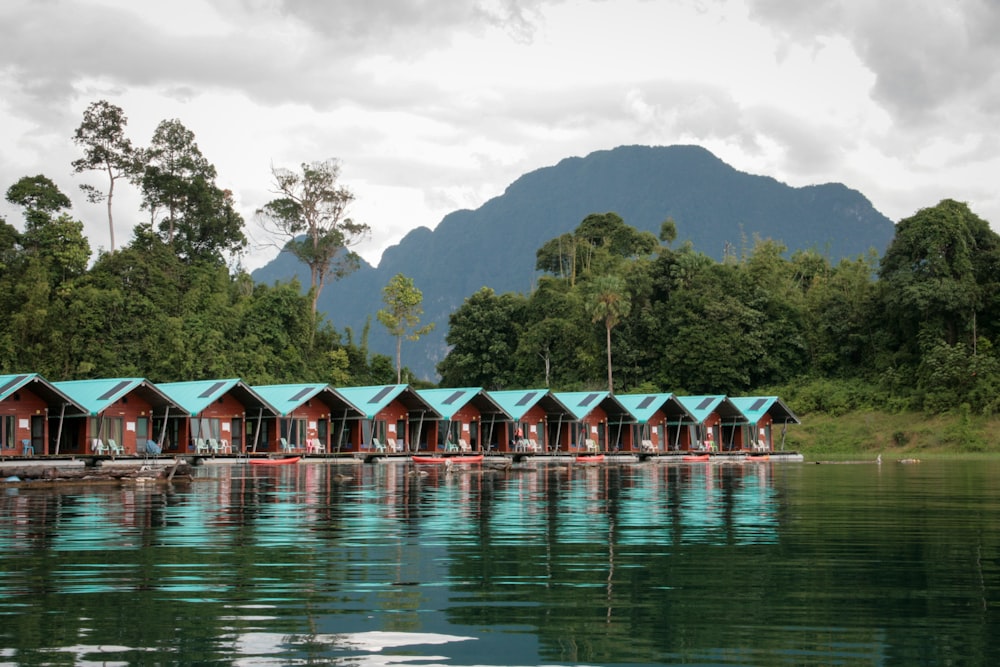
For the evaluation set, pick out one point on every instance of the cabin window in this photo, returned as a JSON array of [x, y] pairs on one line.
[[206, 427], [449, 432], [106, 428], [381, 427], [8, 437], [294, 430]]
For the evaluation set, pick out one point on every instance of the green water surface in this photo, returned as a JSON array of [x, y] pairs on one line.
[[391, 564]]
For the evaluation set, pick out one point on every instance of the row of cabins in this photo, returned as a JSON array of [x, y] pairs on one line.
[[132, 416]]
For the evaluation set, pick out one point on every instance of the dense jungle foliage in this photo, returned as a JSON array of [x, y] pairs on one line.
[[912, 330], [173, 304]]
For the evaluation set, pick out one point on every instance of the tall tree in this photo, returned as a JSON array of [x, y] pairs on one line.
[[553, 336], [401, 316], [310, 215], [173, 162], [57, 241], [107, 149], [609, 302], [39, 196], [939, 273]]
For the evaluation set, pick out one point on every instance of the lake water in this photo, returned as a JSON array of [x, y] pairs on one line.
[[700, 564]]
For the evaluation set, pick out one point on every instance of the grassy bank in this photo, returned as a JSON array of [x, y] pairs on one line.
[[867, 434]]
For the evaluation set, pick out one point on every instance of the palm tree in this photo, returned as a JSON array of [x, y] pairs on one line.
[[609, 301]]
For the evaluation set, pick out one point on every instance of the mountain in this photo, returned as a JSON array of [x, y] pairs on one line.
[[713, 205]]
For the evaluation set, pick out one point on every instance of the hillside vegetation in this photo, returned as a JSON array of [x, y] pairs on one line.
[[863, 435], [890, 352], [716, 208]]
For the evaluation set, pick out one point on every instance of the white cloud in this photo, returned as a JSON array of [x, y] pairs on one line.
[[433, 106]]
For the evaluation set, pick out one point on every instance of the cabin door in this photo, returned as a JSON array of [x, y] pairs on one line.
[[38, 433]]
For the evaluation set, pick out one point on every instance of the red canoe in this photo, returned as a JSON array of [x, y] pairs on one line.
[[275, 462], [697, 457], [472, 458], [592, 458]]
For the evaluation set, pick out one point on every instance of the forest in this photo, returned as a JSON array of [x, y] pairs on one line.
[[174, 302], [910, 331], [913, 330]]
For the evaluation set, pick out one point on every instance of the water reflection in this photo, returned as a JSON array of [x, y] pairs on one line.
[[749, 563]]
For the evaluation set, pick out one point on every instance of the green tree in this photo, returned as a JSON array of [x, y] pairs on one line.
[[840, 315], [61, 246], [938, 274], [40, 197], [170, 164], [210, 228], [310, 216], [558, 257], [401, 316], [9, 242], [668, 231], [608, 302], [483, 334], [771, 287], [554, 336], [57, 242], [107, 149], [597, 246], [710, 339], [194, 216]]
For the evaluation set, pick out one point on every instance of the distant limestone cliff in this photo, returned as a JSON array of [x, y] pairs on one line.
[[713, 205]]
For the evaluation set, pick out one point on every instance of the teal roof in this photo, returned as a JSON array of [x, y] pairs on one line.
[[517, 402], [193, 397], [642, 407], [95, 396], [449, 401], [582, 403], [755, 407], [11, 384], [373, 399], [701, 407], [286, 398]]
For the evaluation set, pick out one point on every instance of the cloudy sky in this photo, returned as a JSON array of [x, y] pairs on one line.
[[435, 105]]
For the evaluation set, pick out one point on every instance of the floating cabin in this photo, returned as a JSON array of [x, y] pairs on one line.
[[223, 416], [124, 416], [120, 416], [600, 422], [717, 423], [309, 418], [394, 418], [542, 419], [469, 420], [659, 421], [761, 414], [32, 415]]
